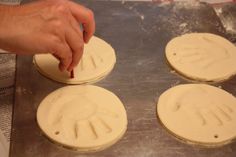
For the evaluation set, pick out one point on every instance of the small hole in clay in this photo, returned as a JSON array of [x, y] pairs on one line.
[[174, 54], [57, 133], [216, 136]]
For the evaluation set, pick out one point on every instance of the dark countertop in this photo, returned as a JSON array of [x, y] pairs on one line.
[[138, 31]]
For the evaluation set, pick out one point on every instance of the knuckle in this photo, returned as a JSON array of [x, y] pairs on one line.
[[59, 7], [55, 39], [62, 7], [54, 46], [90, 14], [57, 24]]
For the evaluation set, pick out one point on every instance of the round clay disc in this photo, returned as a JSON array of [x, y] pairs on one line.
[[199, 114], [85, 117], [97, 61], [202, 56]]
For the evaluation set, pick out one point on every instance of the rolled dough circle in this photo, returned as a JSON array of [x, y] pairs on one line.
[[202, 56], [97, 61], [85, 117], [199, 114]]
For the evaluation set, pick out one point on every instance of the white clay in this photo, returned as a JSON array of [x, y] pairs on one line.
[[85, 117], [202, 56], [199, 113], [97, 61]]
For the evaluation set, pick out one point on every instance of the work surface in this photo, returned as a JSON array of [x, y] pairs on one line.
[[138, 31]]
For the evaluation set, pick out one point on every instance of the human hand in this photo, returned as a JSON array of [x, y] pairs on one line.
[[50, 26]]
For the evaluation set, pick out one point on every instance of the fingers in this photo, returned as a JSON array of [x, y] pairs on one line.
[[63, 53], [64, 63], [70, 31], [74, 39], [84, 16]]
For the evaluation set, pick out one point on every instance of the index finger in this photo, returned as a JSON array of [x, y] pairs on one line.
[[85, 16]]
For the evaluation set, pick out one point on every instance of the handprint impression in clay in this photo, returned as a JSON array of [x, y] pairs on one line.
[[90, 61], [80, 116], [204, 109], [203, 56]]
